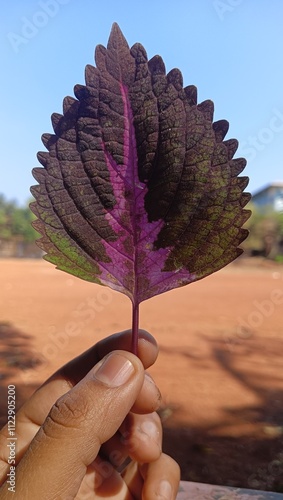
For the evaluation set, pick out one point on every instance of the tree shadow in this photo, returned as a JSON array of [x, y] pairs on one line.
[[16, 356], [210, 455]]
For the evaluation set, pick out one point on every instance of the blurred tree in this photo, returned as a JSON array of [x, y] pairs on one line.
[[266, 233], [15, 221], [21, 224]]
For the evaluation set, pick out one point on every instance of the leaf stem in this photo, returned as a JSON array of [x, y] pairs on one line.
[[135, 328]]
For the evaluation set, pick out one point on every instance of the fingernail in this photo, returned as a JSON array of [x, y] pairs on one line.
[[164, 491], [156, 392], [150, 430], [149, 378], [115, 370]]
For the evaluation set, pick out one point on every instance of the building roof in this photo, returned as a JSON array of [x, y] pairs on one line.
[[268, 186]]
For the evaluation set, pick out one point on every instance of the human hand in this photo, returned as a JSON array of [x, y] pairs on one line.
[[102, 411]]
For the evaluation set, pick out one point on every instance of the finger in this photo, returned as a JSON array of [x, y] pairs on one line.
[[33, 413], [103, 481], [139, 437], [159, 479], [142, 436], [149, 398], [80, 421], [76, 369]]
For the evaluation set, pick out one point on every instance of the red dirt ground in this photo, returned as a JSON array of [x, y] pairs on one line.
[[220, 366]]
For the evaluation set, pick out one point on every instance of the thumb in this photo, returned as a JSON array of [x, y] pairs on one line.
[[79, 422]]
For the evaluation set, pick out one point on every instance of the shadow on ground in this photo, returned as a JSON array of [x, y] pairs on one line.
[[16, 356], [251, 461], [244, 462]]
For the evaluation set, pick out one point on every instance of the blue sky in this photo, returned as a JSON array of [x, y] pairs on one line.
[[230, 49]]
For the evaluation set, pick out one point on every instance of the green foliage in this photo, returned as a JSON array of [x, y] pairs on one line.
[[15, 221], [266, 233]]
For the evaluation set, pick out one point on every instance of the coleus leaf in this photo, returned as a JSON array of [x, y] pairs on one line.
[[139, 191]]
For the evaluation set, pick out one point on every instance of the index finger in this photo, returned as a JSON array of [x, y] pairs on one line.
[[76, 369]]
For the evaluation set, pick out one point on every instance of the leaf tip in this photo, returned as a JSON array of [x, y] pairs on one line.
[[191, 94], [116, 37]]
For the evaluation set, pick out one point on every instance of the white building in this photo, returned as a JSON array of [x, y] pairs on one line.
[[270, 197]]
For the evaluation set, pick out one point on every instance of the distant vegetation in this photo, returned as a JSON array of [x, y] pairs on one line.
[[17, 236], [266, 234], [15, 221]]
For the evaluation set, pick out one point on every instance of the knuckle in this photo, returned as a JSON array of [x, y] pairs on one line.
[[67, 412]]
